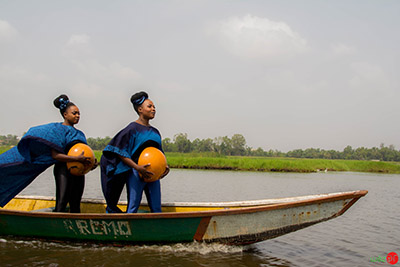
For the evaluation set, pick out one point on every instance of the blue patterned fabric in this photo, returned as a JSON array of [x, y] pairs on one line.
[[135, 187], [128, 143], [20, 165]]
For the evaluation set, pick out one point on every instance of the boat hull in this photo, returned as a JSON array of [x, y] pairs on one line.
[[229, 223]]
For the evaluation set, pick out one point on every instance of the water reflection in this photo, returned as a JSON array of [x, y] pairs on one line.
[[263, 258], [368, 229], [192, 254]]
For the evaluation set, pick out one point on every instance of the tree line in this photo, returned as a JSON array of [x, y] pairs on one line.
[[236, 146], [8, 140]]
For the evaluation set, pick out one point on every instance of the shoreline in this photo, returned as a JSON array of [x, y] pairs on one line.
[[265, 164], [207, 161]]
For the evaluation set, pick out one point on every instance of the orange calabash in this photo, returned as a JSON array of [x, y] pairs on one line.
[[157, 161], [77, 168]]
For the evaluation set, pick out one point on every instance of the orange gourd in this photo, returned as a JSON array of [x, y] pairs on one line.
[[157, 161], [78, 168]]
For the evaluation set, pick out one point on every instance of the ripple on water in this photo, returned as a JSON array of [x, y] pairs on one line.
[[194, 247], [46, 253], [60, 253]]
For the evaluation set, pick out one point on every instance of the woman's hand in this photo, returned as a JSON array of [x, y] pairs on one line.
[[141, 169], [65, 158], [82, 159], [96, 163], [165, 173], [144, 173]]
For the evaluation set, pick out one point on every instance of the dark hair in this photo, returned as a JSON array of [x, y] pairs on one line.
[[62, 103], [138, 99]]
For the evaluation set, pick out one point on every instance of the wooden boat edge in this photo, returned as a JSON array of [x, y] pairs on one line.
[[322, 198], [243, 203]]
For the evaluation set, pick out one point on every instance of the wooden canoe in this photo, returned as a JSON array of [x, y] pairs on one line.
[[236, 223]]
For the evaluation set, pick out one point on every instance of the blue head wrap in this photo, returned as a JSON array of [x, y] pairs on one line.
[[139, 101], [64, 103]]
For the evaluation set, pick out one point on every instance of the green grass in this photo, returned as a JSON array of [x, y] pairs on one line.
[[199, 161], [218, 162], [4, 149], [97, 154]]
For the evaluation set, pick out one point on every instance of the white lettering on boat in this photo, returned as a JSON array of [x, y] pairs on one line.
[[98, 227]]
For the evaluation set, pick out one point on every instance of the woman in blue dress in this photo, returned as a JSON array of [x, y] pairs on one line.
[[119, 161], [41, 147]]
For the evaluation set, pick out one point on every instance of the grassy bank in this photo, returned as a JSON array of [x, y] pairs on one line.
[[4, 149], [198, 161], [215, 162]]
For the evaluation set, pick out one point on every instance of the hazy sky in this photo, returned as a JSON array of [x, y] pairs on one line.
[[285, 74]]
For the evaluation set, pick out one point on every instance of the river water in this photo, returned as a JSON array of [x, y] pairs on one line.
[[363, 236]]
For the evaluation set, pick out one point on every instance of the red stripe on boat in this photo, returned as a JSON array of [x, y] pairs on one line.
[[202, 228]]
